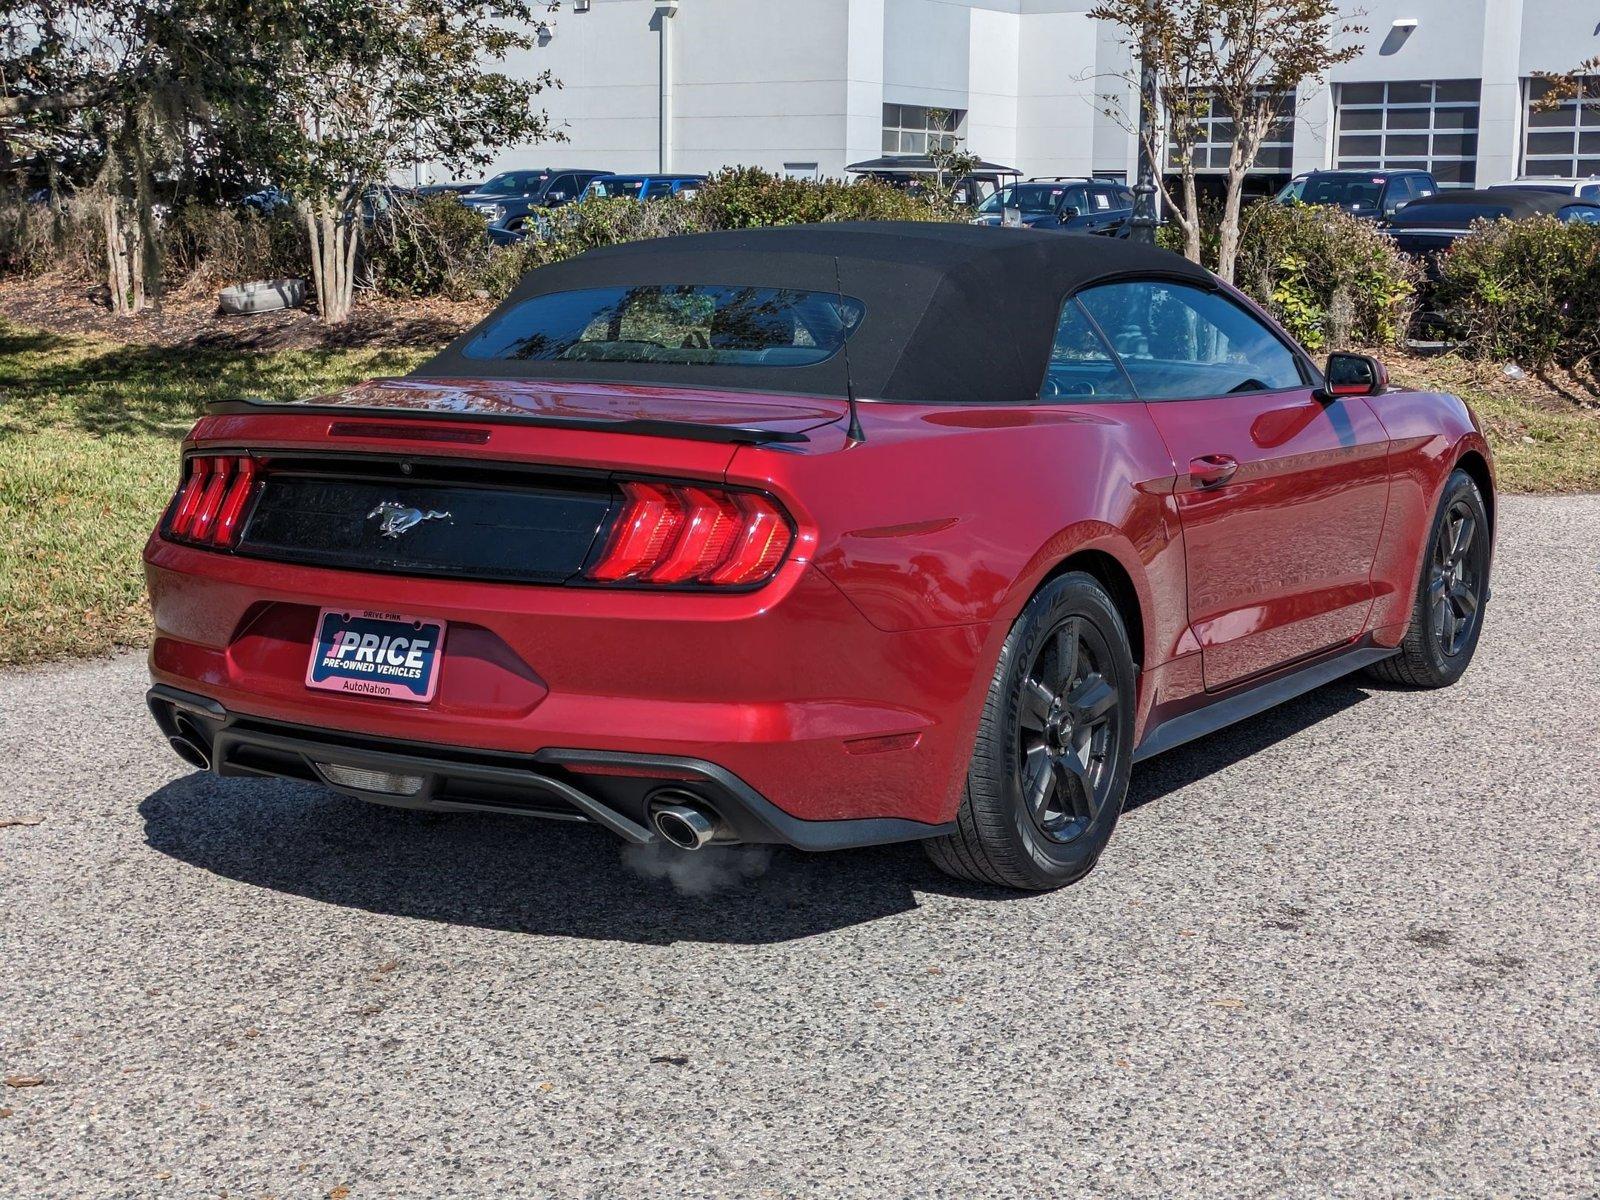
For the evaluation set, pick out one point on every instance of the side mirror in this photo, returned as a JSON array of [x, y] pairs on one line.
[[1068, 213], [1354, 375]]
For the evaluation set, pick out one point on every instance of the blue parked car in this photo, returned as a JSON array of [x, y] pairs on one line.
[[1099, 206], [507, 200], [642, 187]]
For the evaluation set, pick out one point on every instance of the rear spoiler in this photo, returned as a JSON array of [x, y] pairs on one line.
[[741, 435]]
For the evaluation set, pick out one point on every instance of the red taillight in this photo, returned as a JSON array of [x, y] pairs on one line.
[[189, 498], [759, 546], [212, 501], [670, 534], [226, 532]]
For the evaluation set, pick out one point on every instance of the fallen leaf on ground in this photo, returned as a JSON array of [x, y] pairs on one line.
[[676, 1060], [24, 1080], [7, 822], [4, 1113], [338, 1193], [1228, 1002]]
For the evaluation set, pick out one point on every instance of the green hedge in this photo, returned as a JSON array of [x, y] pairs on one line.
[[1524, 291], [738, 198], [1333, 280]]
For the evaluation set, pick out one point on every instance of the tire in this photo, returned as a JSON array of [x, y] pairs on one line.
[[1054, 749], [1451, 590]]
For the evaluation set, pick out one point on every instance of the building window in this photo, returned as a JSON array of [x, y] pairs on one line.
[[1214, 144], [1566, 140], [918, 129], [1430, 125]]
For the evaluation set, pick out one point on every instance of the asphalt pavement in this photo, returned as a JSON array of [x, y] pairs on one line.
[[1348, 949]]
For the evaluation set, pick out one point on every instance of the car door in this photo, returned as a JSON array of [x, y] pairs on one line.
[[1281, 491], [1076, 198], [1109, 213], [1398, 194]]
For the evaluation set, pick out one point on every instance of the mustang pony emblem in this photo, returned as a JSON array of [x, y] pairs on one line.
[[398, 518]]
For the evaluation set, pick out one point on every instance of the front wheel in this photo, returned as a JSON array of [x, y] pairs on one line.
[[1054, 748], [1448, 614]]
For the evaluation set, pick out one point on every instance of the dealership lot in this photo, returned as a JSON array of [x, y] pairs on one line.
[[1348, 948]]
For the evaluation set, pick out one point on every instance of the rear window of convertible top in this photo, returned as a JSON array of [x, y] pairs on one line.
[[693, 324]]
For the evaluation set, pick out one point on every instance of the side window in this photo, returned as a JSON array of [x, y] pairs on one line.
[[1183, 343], [1075, 198], [1124, 198], [1398, 195], [1081, 364], [562, 188], [1581, 215], [1100, 199]]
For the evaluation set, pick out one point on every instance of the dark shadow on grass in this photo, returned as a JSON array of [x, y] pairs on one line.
[[159, 389], [28, 341]]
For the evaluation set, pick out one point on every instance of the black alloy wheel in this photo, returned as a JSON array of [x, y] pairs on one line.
[[1455, 579], [1054, 748], [1452, 591], [1066, 732]]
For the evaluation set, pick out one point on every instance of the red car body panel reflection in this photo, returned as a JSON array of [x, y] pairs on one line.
[[850, 684]]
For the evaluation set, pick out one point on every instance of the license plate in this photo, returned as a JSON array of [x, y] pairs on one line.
[[366, 653]]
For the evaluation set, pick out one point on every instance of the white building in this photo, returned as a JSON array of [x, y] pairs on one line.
[[807, 86]]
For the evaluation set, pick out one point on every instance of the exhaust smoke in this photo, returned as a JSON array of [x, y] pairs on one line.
[[703, 872]]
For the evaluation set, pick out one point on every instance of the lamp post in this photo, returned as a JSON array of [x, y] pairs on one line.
[[1142, 225]]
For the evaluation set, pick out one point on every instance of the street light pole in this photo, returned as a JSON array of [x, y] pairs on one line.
[[1142, 225]]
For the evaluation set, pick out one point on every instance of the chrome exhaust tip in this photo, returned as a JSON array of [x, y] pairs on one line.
[[686, 826], [188, 745]]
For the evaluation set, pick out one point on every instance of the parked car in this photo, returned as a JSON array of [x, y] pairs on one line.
[[267, 201], [642, 187], [1584, 189], [1428, 227], [507, 200], [1373, 195], [427, 191], [1075, 205], [646, 548]]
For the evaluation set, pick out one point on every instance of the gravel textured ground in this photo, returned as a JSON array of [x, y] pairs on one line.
[[1348, 949]]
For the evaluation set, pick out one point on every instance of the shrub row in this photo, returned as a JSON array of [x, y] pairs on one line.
[[1527, 291], [1331, 279], [1524, 291]]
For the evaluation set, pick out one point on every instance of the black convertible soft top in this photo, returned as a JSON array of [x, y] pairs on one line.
[[954, 313]]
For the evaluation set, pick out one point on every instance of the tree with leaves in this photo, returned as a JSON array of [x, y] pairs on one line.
[[1244, 56], [367, 89], [122, 101]]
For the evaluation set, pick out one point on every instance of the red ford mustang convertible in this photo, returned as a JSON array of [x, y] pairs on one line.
[[822, 535]]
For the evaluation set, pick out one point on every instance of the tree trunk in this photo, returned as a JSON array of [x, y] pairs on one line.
[[333, 239], [124, 259], [1193, 229], [1228, 230]]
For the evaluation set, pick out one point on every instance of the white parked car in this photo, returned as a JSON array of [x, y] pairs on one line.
[[1587, 189]]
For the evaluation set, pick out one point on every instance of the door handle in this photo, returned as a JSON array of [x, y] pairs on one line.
[[1212, 470]]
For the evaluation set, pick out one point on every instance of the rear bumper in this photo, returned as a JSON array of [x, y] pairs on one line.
[[788, 689], [609, 789]]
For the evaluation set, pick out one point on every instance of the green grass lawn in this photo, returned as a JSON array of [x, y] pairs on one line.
[[89, 433]]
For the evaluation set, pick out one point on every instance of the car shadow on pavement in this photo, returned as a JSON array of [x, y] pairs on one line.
[[520, 875], [1193, 762], [538, 877]]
